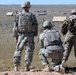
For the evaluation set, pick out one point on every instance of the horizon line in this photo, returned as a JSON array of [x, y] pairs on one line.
[[39, 4]]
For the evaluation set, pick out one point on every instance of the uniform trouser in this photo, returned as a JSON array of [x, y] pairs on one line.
[[55, 55], [70, 40], [28, 43]]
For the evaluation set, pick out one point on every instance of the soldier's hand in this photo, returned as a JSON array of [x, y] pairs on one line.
[[63, 63], [62, 66], [16, 39], [62, 69]]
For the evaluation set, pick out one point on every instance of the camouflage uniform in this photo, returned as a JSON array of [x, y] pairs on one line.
[[51, 47], [70, 40], [25, 28]]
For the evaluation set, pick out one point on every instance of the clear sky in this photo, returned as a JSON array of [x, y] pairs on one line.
[[35, 2]]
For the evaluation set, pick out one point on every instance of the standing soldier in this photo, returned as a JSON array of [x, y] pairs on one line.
[[69, 28], [24, 30], [50, 47]]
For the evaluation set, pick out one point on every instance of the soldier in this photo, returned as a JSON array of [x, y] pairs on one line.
[[69, 28], [24, 30], [50, 47]]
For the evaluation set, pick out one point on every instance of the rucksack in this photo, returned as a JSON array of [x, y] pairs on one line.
[[25, 22], [52, 37]]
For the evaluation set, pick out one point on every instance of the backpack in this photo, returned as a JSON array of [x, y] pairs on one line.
[[25, 22], [52, 37]]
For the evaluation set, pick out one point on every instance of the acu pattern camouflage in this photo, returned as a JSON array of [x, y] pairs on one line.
[[51, 47], [25, 28], [24, 23], [70, 40], [15, 27]]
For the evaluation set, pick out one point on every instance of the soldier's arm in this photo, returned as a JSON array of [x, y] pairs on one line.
[[15, 28], [35, 25], [41, 41], [64, 27]]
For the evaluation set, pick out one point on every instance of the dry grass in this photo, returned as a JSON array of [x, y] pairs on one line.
[[7, 42], [7, 48]]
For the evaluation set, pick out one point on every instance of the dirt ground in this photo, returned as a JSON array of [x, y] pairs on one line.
[[32, 73]]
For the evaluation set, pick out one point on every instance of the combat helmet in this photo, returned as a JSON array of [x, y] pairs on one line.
[[73, 11], [47, 23], [26, 4]]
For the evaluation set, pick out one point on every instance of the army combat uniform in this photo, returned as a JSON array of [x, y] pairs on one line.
[[50, 47], [25, 28], [69, 28]]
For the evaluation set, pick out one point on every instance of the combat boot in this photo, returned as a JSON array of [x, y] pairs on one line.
[[26, 68], [46, 69], [16, 68]]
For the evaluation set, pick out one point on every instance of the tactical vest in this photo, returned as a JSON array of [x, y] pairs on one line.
[[52, 37], [25, 22]]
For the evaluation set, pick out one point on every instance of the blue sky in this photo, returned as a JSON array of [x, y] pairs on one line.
[[39, 2]]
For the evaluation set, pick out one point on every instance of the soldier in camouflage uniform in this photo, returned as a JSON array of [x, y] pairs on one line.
[[24, 30], [50, 47], [69, 28]]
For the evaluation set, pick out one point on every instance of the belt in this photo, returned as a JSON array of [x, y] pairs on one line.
[[54, 44], [25, 32]]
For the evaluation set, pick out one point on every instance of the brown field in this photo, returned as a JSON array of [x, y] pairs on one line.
[[7, 41]]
